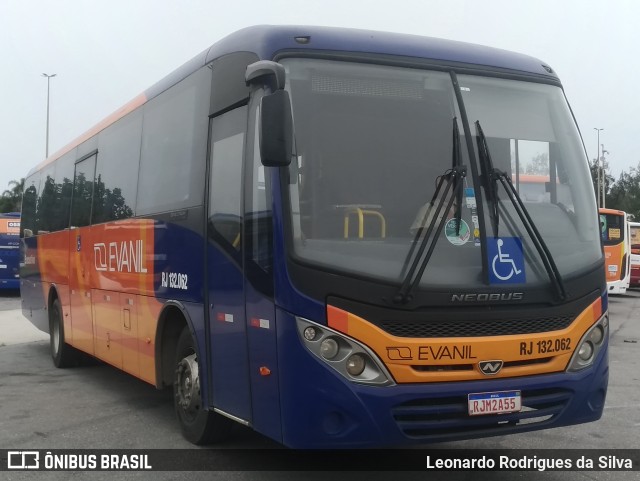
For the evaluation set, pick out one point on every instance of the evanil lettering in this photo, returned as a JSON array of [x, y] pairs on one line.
[[125, 256]]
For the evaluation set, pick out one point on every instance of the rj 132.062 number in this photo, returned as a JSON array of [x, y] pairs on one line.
[[545, 346], [174, 280]]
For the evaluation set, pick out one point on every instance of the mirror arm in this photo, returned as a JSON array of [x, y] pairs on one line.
[[266, 72]]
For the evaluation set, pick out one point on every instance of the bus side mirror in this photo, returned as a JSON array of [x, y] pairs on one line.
[[276, 129], [276, 123]]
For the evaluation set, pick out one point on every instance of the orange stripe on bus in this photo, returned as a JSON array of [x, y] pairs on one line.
[[338, 319], [597, 309]]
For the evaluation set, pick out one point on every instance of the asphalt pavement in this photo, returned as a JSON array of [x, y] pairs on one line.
[[98, 407]]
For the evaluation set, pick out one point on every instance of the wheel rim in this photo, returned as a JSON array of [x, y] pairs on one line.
[[188, 387]]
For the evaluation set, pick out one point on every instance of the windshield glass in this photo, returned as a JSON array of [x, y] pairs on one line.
[[635, 238], [371, 142], [612, 228]]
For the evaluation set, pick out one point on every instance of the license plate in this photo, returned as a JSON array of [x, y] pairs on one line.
[[494, 403], [3, 266]]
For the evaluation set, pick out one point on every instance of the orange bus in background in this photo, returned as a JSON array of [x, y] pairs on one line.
[[634, 231], [616, 236]]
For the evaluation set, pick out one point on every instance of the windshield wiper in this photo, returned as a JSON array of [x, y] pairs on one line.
[[491, 176], [453, 178], [488, 178]]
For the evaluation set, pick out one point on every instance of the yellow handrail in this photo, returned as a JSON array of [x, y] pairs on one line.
[[361, 214]]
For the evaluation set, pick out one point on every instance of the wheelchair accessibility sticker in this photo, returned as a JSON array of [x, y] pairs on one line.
[[506, 260]]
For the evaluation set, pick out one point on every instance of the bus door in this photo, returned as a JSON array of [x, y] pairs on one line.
[[227, 316], [81, 254], [259, 287]]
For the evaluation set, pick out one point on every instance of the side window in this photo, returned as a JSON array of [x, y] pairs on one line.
[[45, 214], [64, 190], [259, 217], [28, 227], [174, 146], [225, 186], [83, 192], [117, 169]]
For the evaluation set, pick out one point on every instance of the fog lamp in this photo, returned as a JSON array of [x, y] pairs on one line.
[[310, 333]]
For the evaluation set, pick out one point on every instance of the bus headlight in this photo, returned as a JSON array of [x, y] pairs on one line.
[[597, 335], [590, 345], [356, 364], [586, 351], [350, 358], [329, 348]]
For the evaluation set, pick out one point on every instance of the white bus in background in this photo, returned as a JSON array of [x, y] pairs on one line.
[[616, 236]]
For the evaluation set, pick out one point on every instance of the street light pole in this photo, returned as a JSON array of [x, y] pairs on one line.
[[48, 91], [598, 168], [604, 183]]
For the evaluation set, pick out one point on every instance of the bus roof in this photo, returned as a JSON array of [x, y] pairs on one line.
[[267, 41], [603, 210], [10, 214]]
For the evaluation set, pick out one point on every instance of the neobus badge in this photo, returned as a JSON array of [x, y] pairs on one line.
[[490, 368], [119, 256], [494, 296]]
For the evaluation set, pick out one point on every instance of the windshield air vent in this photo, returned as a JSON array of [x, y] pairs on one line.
[[366, 87]]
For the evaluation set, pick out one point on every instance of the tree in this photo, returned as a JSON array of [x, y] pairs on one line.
[[11, 199], [625, 193], [539, 165]]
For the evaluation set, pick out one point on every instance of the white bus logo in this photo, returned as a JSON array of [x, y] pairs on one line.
[[23, 460], [125, 256]]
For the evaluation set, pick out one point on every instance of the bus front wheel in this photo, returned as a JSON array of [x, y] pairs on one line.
[[63, 354], [199, 425]]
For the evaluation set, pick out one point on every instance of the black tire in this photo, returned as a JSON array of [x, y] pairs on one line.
[[63, 354], [198, 425]]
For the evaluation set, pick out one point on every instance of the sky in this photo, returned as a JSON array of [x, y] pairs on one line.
[[105, 52]]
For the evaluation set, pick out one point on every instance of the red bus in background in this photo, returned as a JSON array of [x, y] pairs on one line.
[[634, 235]]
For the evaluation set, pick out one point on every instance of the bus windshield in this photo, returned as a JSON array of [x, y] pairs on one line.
[[612, 228], [635, 237], [9, 250], [372, 142]]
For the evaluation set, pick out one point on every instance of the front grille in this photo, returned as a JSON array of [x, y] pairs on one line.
[[475, 328], [471, 367], [441, 417]]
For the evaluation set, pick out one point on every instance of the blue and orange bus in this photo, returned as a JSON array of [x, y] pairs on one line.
[[313, 232], [10, 250], [616, 241]]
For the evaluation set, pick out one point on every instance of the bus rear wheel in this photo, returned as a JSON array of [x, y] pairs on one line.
[[63, 354], [199, 425]]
